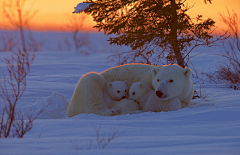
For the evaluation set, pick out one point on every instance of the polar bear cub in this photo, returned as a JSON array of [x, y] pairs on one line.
[[114, 91], [126, 106], [139, 92], [148, 100]]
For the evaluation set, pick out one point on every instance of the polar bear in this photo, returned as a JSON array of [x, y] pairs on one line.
[[114, 96], [88, 98], [114, 91], [139, 92], [126, 106], [149, 101], [172, 81]]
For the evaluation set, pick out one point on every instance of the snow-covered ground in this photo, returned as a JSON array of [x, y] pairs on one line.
[[209, 126]]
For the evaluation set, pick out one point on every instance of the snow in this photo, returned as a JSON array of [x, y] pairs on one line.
[[54, 107], [81, 7], [208, 126]]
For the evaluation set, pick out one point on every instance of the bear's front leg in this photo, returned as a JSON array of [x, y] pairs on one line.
[[171, 104], [112, 112]]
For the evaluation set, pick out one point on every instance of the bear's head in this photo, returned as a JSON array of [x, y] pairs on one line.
[[117, 89], [171, 81], [137, 90]]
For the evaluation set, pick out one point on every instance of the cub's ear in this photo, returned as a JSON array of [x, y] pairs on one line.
[[187, 72], [155, 71], [110, 84], [141, 85]]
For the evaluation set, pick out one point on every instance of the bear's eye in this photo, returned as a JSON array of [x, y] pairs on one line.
[[118, 91], [157, 80], [133, 93], [125, 90], [170, 80]]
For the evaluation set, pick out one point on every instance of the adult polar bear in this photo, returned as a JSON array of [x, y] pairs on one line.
[[88, 98]]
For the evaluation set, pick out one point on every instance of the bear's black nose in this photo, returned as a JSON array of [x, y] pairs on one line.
[[159, 94], [124, 97]]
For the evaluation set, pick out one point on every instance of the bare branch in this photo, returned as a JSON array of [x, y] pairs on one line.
[[12, 88], [14, 11], [229, 72], [75, 26]]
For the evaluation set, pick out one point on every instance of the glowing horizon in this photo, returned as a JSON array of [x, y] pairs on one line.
[[54, 15]]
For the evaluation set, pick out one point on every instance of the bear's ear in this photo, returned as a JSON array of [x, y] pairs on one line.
[[155, 71], [126, 82], [141, 85], [187, 72], [110, 84]]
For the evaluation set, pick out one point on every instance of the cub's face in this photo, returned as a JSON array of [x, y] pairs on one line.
[[117, 89], [137, 90], [169, 81]]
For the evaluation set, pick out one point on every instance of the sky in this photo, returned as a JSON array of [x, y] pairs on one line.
[[54, 15]]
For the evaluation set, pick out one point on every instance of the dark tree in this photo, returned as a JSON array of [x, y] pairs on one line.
[[149, 25]]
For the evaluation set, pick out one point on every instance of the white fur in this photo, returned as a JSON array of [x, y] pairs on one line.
[[138, 92], [173, 81], [126, 106], [154, 104], [114, 91], [88, 97], [148, 101]]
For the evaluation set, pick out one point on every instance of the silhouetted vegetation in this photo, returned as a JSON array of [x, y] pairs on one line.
[[154, 29], [13, 81], [79, 39], [19, 17], [229, 71]]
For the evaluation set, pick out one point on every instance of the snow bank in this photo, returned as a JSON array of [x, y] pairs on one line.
[[53, 107], [81, 7]]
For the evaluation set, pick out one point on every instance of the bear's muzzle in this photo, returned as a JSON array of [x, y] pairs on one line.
[[159, 94]]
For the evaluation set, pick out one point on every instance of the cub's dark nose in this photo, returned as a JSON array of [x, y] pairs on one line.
[[124, 97], [159, 94]]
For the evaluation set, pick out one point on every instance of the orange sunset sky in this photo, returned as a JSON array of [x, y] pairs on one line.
[[53, 15]]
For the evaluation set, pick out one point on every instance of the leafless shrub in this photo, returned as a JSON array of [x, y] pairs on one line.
[[212, 77], [39, 135], [18, 16], [33, 43], [12, 86], [198, 81], [8, 41], [68, 44], [77, 146], [75, 25], [22, 125], [228, 74], [229, 71], [199, 94], [104, 141]]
